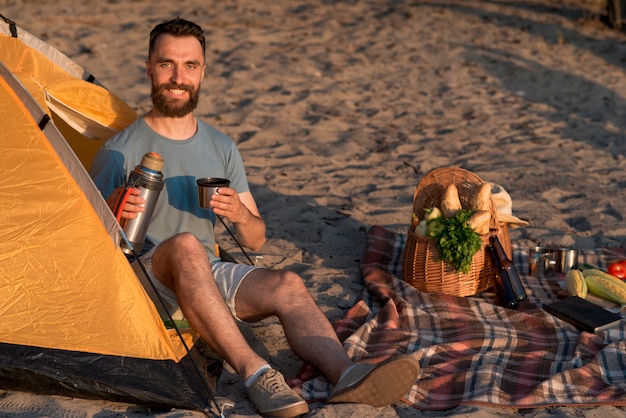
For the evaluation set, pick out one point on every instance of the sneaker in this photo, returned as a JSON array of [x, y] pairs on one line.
[[273, 398], [377, 384]]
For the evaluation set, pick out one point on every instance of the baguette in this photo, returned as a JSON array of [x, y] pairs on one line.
[[450, 204], [481, 201], [480, 221]]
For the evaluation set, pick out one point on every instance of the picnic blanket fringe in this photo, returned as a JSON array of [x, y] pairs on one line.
[[472, 351]]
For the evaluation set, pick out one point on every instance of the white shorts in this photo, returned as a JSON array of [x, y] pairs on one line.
[[228, 277]]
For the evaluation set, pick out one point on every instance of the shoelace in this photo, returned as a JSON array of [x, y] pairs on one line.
[[272, 381]]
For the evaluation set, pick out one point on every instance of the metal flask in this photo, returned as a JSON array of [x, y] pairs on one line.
[[148, 178]]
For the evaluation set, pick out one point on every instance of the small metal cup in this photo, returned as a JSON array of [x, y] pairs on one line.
[[207, 187], [541, 262], [565, 259]]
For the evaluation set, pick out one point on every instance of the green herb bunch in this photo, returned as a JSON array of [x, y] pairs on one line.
[[456, 241]]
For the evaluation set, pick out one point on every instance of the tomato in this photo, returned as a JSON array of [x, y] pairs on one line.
[[617, 269]]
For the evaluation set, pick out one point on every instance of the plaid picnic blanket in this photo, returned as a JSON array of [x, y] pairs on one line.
[[472, 351]]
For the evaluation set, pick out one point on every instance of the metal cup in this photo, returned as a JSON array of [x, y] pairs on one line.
[[541, 261], [207, 187], [565, 259]]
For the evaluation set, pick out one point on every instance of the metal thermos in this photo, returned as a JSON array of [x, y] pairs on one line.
[[148, 178]]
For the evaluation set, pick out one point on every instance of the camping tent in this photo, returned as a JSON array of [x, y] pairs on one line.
[[76, 320]]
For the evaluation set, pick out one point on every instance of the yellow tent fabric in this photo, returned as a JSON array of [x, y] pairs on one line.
[[55, 255], [90, 110]]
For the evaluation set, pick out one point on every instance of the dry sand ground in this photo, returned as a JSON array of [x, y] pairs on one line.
[[340, 107]]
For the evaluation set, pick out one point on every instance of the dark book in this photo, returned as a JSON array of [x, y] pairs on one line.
[[584, 315]]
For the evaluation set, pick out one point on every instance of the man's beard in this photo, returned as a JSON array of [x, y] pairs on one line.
[[166, 108]]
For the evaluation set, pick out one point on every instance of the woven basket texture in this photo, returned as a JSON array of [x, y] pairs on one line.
[[421, 266]]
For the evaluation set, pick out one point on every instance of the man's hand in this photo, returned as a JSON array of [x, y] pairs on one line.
[[242, 211], [226, 203], [131, 207]]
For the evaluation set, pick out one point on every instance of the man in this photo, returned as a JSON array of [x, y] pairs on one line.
[[212, 294]]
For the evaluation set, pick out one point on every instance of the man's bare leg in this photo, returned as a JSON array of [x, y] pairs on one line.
[[308, 331], [182, 264], [313, 339]]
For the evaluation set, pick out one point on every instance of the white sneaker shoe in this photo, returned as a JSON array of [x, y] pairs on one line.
[[274, 398], [377, 384]]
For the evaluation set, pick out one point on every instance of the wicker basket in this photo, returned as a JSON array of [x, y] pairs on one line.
[[420, 260]]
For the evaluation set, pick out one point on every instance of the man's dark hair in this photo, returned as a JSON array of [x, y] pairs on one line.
[[177, 27]]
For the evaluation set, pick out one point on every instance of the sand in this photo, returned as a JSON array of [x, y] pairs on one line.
[[340, 107]]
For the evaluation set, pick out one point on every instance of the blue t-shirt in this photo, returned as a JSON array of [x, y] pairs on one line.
[[209, 153]]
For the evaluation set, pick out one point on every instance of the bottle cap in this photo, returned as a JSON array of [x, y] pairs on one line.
[[153, 161]]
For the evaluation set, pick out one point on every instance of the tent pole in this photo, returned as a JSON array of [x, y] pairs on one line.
[[178, 332]]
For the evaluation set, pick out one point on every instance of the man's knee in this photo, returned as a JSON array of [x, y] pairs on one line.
[[172, 255], [291, 285], [183, 243]]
